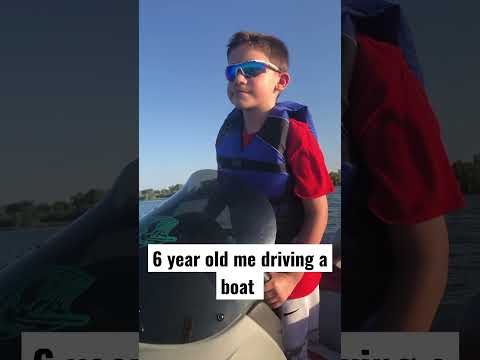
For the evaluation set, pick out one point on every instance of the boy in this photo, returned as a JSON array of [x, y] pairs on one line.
[[269, 145], [395, 254]]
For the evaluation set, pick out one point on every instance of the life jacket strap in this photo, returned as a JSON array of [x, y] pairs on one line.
[[245, 164]]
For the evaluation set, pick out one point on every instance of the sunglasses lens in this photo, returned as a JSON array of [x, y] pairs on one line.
[[249, 69], [231, 72], [253, 69]]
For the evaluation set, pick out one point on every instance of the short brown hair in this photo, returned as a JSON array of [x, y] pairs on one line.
[[271, 46]]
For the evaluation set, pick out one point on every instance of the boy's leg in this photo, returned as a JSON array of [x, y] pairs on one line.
[[299, 317]]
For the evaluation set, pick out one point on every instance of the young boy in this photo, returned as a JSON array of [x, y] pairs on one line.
[[395, 239], [269, 145]]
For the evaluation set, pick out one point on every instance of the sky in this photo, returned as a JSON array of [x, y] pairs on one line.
[[70, 79], [183, 99], [446, 39], [69, 96]]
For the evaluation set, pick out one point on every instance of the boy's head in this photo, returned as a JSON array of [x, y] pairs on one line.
[[256, 85]]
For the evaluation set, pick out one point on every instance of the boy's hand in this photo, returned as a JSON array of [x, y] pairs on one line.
[[279, 287]]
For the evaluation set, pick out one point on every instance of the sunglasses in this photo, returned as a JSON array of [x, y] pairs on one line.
[[249, 69]]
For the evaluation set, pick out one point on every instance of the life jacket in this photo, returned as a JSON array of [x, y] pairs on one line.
[[262, 164]]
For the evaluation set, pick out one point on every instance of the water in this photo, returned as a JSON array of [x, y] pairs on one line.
[[144, 207], [334, 213], [464, 234], [15, 244]]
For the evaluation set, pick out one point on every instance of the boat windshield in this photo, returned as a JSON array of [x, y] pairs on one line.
[[181, 307]]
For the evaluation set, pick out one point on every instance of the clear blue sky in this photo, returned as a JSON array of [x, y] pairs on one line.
[[183, 99]]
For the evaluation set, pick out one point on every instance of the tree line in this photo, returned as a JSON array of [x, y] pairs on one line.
[[29, 213], [336, 177], [468, 174], [151, 194]]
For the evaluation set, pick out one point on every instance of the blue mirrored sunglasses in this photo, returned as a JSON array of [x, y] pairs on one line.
[[249, 69]]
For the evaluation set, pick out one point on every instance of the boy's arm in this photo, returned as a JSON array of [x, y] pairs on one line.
[[421, 269], [410, 180], [281, 285], [315, 222]]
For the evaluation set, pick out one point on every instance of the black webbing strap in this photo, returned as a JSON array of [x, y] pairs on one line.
[[244, 164]]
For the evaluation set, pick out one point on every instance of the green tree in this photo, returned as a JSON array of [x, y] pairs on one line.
[[335, 177], [17, 207], [174, 188], [43, 211], [6, 221], [28, 217], [60, 206], [468, 174], [147, 194], [93, 196]]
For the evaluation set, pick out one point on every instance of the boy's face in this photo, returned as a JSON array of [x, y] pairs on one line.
[[259, 92]]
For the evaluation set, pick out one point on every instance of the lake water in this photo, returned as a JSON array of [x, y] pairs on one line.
[[15, 244], [464, 233]]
